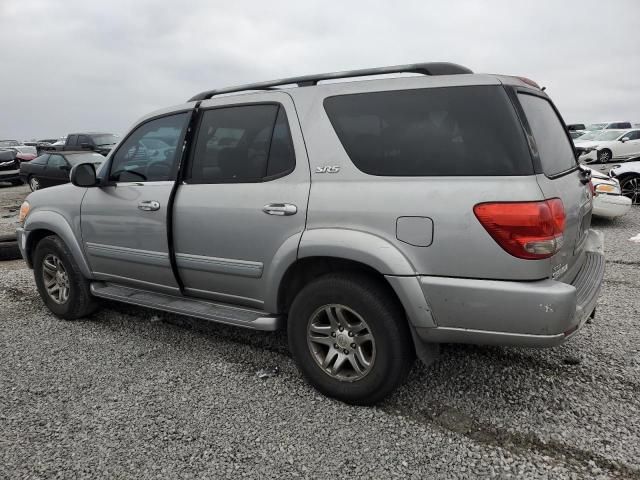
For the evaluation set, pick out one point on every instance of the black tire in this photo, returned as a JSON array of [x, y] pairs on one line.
[[630, 186], [34, 183], [370, 298], [9, 247], [80, 302], [604, 155]]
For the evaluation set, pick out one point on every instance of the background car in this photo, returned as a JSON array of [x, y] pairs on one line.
[[9, 143], [609, 145], [608, 201], [609, 126], [9, 166], [52, 168], [575, 126], [629, 177]]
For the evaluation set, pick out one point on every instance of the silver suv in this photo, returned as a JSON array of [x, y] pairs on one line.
[[374, 219]]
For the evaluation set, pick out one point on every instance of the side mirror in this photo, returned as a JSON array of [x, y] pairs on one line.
[[624, 139], [84, 175], [86, 146]]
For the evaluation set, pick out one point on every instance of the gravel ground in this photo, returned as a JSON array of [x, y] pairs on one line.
[[134, 393], [10, 200]]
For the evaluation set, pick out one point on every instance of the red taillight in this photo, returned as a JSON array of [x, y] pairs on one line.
[[529, 230]]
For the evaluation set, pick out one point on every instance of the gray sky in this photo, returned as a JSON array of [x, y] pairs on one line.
[[99, 65]]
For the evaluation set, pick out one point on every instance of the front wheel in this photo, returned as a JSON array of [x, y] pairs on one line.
[[60, 283], [34, 184], [349, 337], [630, 187], [604, 156]]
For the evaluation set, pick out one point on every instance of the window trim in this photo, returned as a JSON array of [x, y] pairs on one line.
[[187, 177], [529, 132], [105, 181]]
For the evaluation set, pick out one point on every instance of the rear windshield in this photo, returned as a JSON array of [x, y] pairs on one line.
[[452, 131], [553, 146]]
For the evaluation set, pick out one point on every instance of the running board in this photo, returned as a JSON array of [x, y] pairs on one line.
[[204, 309]]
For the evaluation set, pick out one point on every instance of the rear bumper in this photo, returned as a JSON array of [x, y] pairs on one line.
[[610, 206], [541, 313]]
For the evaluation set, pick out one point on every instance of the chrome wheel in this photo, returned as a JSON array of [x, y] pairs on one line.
[[631, 189], [56, 280], [341, 342], [34, 184]]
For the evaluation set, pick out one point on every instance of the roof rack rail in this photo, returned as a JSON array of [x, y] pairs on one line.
[[433, 68]]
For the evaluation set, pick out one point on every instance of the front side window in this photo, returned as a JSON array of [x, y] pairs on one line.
[[634, 135], [451, 131], [83, 139], [72, 140], [551, 142], [135, 161], [247, 143]]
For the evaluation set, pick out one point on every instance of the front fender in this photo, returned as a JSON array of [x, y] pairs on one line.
[[56, 223]]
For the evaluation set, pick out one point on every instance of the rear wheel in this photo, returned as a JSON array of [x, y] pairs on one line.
[[350, 338], [630, 186], [604, 156], [34, 184], [60, 283]]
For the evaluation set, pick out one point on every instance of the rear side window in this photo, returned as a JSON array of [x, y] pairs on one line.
[[242, 144], [453, 131], [551, 142]]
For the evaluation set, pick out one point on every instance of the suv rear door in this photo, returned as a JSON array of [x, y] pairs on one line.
[[560, 178], [241, 210]]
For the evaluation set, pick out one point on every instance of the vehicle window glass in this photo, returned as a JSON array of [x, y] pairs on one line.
[[281, 154], [451, 131], [56, 161], [72, 140], [634, 135], [553, 146], [135, 162], [233, 144], [105, 139], [41, 160], [83, 139]]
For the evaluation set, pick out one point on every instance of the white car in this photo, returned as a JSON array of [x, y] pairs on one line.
[[608, 126], [628, 175], [608, 202], [608, 145]]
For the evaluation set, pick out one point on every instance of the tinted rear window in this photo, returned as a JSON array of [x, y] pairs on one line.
[[451, 131], [551, 142]]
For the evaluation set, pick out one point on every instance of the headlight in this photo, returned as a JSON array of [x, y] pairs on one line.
[[24, 211], [607, 188]]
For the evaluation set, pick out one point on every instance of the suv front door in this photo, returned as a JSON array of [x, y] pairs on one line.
[[124, 223], [241, 210]]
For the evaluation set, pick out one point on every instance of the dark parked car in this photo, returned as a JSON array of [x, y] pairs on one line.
[[53, 168], [576, 126], [9, 166], [101, 143]]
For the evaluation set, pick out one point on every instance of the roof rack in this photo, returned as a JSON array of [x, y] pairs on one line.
[[433, 68]]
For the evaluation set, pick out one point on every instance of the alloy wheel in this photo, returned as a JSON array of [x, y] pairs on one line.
[[341, 342], [34, 183], [56, 279], [631, 189], [604, 156]]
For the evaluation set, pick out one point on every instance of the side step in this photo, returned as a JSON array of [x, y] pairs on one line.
[[207, 310]]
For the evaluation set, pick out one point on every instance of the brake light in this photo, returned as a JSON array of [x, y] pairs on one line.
[[528, 230]]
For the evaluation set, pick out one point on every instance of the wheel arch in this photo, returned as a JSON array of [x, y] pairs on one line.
[[41, 224]]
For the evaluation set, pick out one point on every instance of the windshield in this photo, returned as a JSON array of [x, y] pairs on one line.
[[9, 143], [589, 136], [106, 139], [94, 158], [608, 135], [596, 126]]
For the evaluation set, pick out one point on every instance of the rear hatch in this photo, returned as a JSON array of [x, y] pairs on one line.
[[558, 177]]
